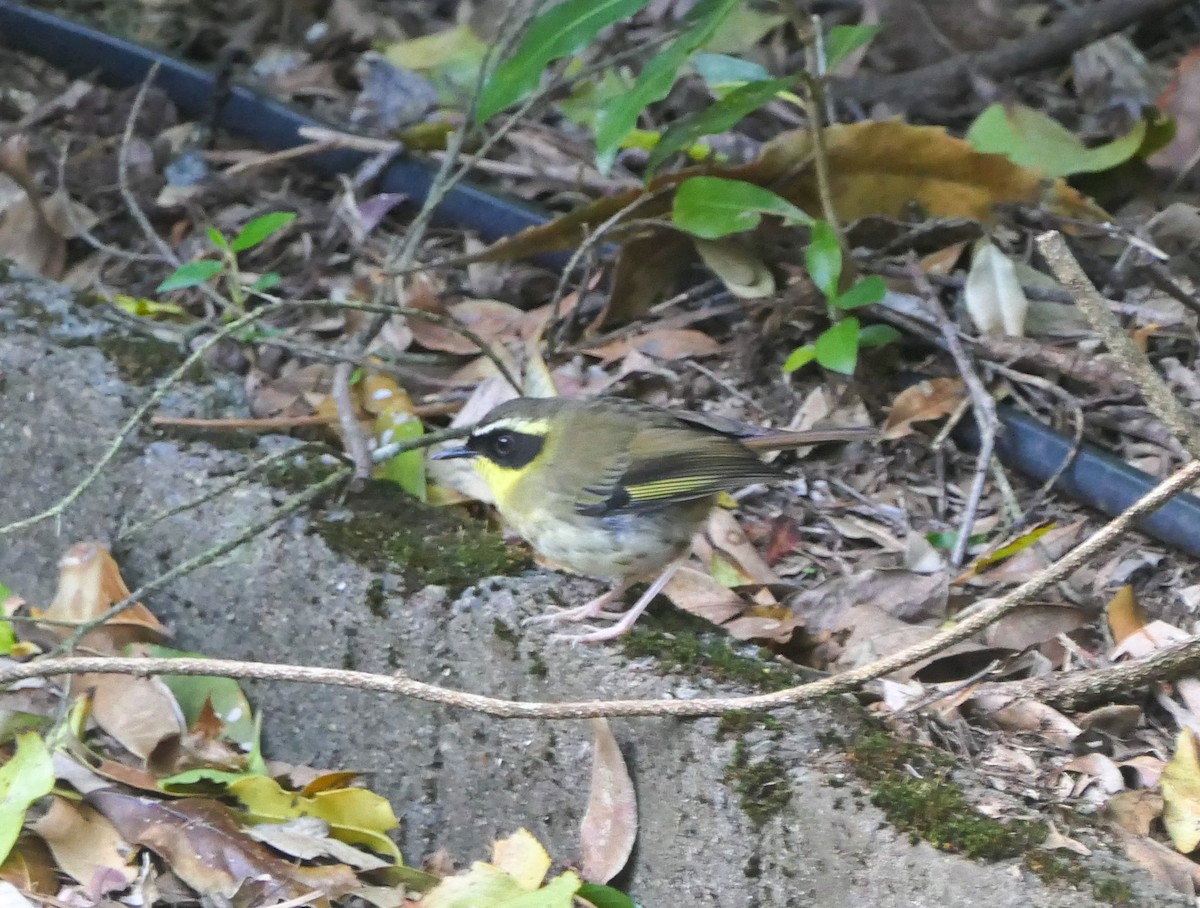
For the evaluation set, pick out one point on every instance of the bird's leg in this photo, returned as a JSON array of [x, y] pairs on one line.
[[595, 608], [627, 620]]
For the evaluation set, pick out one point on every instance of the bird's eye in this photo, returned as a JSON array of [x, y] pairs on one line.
[[503, 444]]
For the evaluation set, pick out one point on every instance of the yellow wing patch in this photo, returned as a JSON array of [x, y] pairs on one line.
[[666, 488]]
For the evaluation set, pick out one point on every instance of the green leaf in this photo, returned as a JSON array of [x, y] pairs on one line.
[[710, 207], [837, 347], [217, 238], [261, 228], [558, 893], [604, 896], [27, 776], [559, 32], [226, 697], [615, 120], [823, 259], [450, 59], [8, 637], [722, 73], [583, 104], [843, 40], [193, 274], [715, 118], [878, 336], [948, 539], [865, 292], [406, 469], [1030, 138], [199, 781], [743, 30], [799, 357], [266, 281]]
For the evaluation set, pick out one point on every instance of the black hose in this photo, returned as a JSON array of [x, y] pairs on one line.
[[80, 51], [1095, 477]]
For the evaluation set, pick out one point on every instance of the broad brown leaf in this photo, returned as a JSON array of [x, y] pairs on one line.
[[927, 400], [204, 846], [89, 582], [609, 827]]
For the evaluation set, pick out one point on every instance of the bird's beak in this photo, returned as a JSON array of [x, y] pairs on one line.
[[453, 454]]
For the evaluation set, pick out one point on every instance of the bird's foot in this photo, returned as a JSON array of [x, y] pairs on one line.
[[626, 620], [593, 609]]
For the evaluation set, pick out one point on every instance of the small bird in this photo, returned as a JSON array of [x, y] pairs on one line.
[[615, 488]]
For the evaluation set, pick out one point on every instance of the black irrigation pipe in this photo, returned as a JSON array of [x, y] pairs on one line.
[[83, 51], [1095, 477]]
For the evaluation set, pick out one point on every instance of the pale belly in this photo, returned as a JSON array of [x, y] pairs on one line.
[[618, 545]]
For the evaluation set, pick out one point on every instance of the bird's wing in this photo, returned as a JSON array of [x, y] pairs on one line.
[[673, 463]]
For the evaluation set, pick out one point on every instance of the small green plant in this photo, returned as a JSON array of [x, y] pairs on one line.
[[238, 292], [741, 87], [712, 207], [836, 348], [704, 206]]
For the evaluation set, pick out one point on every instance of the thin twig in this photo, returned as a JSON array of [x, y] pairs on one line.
[[352, 436], [60, 507], [589, 243], [1081, 688], [1102, 539], [83, 232], [1157, 394], [215, 492], [1077, 420], [984, 410], [207, 557], [946, 79]]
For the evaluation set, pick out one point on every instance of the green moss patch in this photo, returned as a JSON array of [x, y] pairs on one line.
[[387, 530], [911, 785], [141, 360], [763, 788], [684, 643]]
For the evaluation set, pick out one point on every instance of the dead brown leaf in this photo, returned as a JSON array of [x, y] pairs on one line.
[[927, 400], [27, 237], [699, 594], [1098, 769], [1028, 716], [660, 343], [609, 827], [1146, 767], [1033, 624], [140, 713], [1181, 100], [764, 623], [1163, 864], [879, 168], [86, 846], [728, 536], [30, 866], [903, 595], [1134, 811], [1125, 615], [1056, 841], [89, 582], [203, 844], [1147, 640]]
